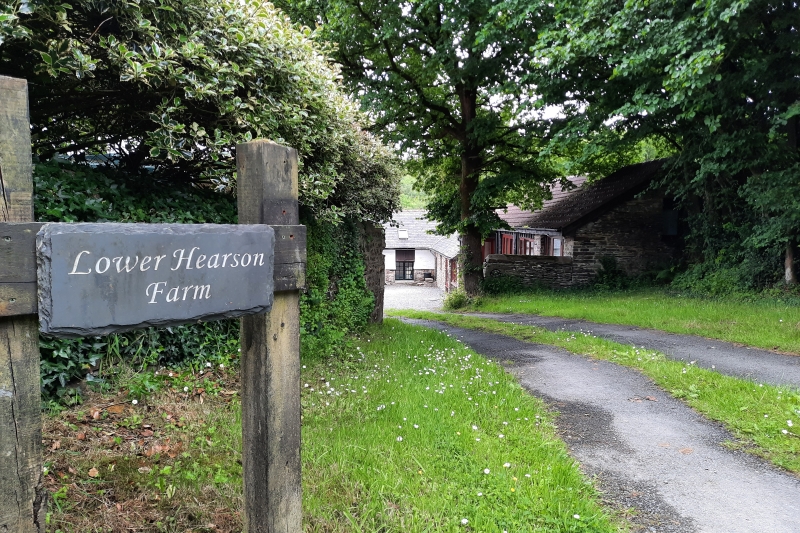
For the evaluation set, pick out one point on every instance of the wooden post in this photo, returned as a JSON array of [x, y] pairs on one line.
[[22, 502], [267, 191]]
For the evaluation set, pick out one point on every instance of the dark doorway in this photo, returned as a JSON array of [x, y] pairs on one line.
[[404, 270]]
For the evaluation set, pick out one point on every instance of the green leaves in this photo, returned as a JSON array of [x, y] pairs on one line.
[[446, 82], [707, 79], [148, 80]]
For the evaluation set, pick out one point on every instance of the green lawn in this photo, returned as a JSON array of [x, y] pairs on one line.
[[763, 418], [409, 431], [759, 322], [414, 432]]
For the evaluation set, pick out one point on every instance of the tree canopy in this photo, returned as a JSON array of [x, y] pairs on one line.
[[716, 81], [173, 85], [445, 81]]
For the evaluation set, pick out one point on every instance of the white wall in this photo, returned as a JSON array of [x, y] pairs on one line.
[[388, 259], [423, 259]]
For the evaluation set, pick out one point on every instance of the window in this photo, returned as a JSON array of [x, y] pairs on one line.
[[402, 233], [404, 270], [525, 246], [547, 245], [557, 247], [404, 264]]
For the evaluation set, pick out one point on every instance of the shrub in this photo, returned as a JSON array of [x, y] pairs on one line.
[[454, 300], [610, 276], [172, 86]]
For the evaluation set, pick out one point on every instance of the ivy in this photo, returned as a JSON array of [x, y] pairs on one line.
[[335, 303]]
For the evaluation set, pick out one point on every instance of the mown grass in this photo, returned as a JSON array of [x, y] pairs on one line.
[[771, 323], [414, 432], [409, 431], [763, 418]]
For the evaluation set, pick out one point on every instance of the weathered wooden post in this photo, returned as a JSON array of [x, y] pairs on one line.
[[21, 494], [267, 192]]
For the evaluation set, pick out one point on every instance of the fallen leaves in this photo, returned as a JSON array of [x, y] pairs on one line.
[[106, 451], [159, 448], [117, 409], [636, 399]]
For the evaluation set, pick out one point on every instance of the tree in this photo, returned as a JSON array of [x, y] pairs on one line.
[[171, 86], [716, 80], [445, 81]]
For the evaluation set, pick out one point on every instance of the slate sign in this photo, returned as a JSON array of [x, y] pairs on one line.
[[96, 279]]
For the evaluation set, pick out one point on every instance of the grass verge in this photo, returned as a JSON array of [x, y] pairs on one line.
[[409, 431], [761, 417], [760, 322]]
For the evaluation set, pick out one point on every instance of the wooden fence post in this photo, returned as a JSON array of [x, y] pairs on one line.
[[267, 192], [22, 502]]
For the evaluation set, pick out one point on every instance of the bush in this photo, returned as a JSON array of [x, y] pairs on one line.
[[610, 276], [454, 300], [172, 86], [67, 192], [745, 271]]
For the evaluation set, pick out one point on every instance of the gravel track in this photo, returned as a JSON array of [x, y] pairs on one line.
[[408, 296]]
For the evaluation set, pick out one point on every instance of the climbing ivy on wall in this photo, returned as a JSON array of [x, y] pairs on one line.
[[337, 301]]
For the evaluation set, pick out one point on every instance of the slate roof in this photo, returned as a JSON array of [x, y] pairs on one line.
[[516, 217], [573, 208], [418, 226]]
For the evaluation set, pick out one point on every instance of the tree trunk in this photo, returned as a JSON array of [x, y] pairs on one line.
[[471, 260], [788, 263], [471, 164], [790, 277]]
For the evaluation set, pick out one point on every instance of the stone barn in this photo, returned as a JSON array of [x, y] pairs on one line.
[[561, 244]]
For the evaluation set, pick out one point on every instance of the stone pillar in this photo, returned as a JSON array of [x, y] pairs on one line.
[[372, 242]]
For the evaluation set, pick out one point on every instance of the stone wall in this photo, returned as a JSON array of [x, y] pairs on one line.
[[441, 271], [532, 270], [631, 233], [446, 279], [419, 276], [372, 243]]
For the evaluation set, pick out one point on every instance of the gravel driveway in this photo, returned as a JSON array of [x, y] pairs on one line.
[[647, 451], [407, 296]]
